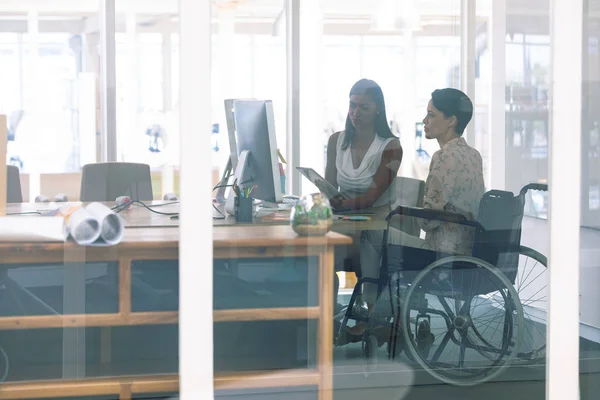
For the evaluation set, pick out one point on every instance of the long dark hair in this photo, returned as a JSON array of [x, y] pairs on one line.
[[382, 129]]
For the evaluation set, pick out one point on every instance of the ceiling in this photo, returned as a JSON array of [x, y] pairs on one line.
[[437, 17]]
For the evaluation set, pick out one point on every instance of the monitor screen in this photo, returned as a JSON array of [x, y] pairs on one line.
[[255, 133]]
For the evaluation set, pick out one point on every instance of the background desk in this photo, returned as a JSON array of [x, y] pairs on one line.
[[162, 243]]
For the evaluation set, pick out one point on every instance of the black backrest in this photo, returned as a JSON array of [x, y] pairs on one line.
[[13, 185], [107, 181], [501, 216]]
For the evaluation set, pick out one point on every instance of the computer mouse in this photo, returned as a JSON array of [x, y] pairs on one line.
[[122, 201], [170, 197], [42, 199], [61, 198]]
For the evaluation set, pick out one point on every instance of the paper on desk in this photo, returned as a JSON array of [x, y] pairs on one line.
[[111, 224], [32, 229]]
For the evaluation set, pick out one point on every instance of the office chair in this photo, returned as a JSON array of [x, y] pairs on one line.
[[107, 181], [13, 183]]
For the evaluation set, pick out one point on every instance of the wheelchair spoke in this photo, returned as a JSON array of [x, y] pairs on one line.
[[524, 268], [463, 347], [446, 307], [541, 299], [533, 280], [442, 346]]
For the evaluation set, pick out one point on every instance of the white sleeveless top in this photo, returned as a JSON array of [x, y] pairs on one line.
[[354, 182]]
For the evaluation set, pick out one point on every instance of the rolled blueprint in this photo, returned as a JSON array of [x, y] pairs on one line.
[[111, 224], [83, 227]]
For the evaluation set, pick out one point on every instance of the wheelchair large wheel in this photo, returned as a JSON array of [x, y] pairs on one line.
[[531, 284], [462, 320]]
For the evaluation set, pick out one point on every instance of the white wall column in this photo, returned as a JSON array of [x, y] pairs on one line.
[[128, 138], [228, 63], [195, 227], [90, 114], [21, 71], [497, 113], [167, 71], [313, 139], [32, 100], [468, 24], [292, 47], [167, 175], [108, 79], [409, 116], [566, 22]]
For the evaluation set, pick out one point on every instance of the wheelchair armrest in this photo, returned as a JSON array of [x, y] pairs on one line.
[[429, 214]]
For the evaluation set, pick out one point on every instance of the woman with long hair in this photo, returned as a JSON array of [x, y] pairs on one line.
[[363, 162]]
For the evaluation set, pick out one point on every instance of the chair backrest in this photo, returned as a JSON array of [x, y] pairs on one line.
[[13, 185], [409, 193], [501, 216], [107, 181]]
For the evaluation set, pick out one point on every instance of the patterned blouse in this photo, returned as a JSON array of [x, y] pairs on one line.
[[455, 183]]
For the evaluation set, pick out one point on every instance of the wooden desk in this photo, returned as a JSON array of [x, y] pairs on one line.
[[139, 217], [254, 241]]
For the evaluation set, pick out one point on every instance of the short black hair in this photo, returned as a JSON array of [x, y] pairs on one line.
[[454, 103]]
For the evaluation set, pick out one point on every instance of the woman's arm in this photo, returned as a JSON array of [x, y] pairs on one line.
[[385, 175], [330, 168]]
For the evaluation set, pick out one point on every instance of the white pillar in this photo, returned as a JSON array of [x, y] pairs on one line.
[[108, 81], [32, 99], [195, 227], [90, 122], [562, 371], [468, 24], [167, 174], [228, 59], [228, 64], [292, 45], [497, 113], [313, 139], [409, 113], [129, 137], [21, 72], [167, 71], [91, 57]]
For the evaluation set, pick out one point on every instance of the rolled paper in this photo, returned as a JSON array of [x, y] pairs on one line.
[[111, 224]]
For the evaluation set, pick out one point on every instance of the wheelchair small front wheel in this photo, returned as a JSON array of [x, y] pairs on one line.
[[370, 345], [470, 327]]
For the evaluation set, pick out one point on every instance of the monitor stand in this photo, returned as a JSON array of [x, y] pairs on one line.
[[223, 182], [242, 174]]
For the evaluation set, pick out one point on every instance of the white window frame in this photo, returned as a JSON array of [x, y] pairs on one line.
[[196, 238], [562, 371]]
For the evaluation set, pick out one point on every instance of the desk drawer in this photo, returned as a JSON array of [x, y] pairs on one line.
[[265, 283]]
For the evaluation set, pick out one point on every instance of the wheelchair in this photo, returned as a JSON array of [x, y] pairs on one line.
[[464, 319]]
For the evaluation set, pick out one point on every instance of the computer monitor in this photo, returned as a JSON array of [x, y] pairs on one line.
[[255, 150]]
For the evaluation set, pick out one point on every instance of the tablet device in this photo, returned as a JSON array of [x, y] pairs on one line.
[[320, 182]]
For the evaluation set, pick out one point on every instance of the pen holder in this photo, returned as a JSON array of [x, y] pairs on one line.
[[242, 209]]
